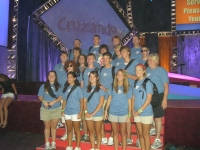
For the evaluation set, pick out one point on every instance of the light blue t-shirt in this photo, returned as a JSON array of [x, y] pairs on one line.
[[159, 76], [48, 98], [94, 101], [142, 61], [85, 76], [130, 70], [95, 51], [138, 92], [119, 102], [73, 102], [136, 53], [117, 61], [61, 74]]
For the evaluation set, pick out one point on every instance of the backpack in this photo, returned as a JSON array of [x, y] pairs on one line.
[[113, 71], [155, 97], [90, 49]]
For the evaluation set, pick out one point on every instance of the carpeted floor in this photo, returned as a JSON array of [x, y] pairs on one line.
[[12, 140]]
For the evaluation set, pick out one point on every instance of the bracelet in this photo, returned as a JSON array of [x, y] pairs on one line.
[[129, 115], [62, 110], [140, 110], [85, 111], [43, 101]]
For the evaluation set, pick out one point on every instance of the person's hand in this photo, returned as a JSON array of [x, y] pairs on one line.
[[136, 114], [46, 104], [87, 115], [62, 114], [164, 104], [16, 97], [79, 115], [105, 115], [51, 103]]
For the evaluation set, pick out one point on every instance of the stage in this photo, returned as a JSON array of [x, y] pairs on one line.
[[182, 121]]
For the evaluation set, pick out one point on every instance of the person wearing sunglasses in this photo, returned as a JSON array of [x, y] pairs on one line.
[[70, 66], [136, 50], [145, 54]]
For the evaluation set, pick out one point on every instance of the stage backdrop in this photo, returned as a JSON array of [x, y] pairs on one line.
[[42, 54], [189, 54], [70, 20]]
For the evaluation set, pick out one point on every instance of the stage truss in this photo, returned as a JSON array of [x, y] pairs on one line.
[[12, 53]]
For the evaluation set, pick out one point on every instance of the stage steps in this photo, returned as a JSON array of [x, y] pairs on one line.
[[61, 145]]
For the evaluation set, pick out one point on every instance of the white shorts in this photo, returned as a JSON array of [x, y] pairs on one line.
[[8, 95], [144, 119], [95, 118], [72, 117]]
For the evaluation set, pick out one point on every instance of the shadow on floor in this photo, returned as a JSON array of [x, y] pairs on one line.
[[12, 140]]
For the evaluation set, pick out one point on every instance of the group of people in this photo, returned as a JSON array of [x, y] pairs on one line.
[[105, 84]]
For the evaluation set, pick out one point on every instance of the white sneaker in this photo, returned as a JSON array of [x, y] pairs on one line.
[[110, 141], [104, 141], [59, 125], [129, 141], [156, 144], [47, 146], [77, 148], [74, 137], [138, 143], [69, 148], [153, 131], [53, 145], [64, 137], [92, 149]]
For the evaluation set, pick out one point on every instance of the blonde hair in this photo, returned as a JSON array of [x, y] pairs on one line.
[[118, 46], [125, 82], [143, 67], [155, 57], [126, 48]]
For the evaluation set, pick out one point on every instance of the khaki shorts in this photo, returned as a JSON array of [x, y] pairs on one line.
[[95, 118], [144, 119], [49, 114], [120, 119]]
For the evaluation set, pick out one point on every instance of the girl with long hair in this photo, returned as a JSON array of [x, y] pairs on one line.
[[50, 95], [142, 109], [93, 102], [119, 102], [82, 62], [9, 92], [72, 108]]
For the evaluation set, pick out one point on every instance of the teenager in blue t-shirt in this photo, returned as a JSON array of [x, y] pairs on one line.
[[115, 41], [82, 62], [118, 60], [72, 108], [106, 73], [50, 110], [145, 54], [142, 109], [119, 101], [84, 83], [93, 108], [59, 68], [159, 76], [136, 50], [130, 73]]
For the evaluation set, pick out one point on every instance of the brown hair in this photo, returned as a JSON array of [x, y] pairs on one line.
[[89, 87], [125, 82], [47, 83], [73, 63]]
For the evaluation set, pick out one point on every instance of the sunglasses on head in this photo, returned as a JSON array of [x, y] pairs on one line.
[[69, 66], [143, 51]]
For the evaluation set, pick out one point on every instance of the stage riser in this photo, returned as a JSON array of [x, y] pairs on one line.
[[61, 131], [86, 145]]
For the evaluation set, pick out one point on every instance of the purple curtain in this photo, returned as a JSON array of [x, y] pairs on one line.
[[42, 54], [3, 60], [189, 55]]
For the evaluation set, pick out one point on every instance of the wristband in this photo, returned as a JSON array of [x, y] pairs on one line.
[[85, 111], [140, 110], [62, 110], [43, 101], [129, 115]]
